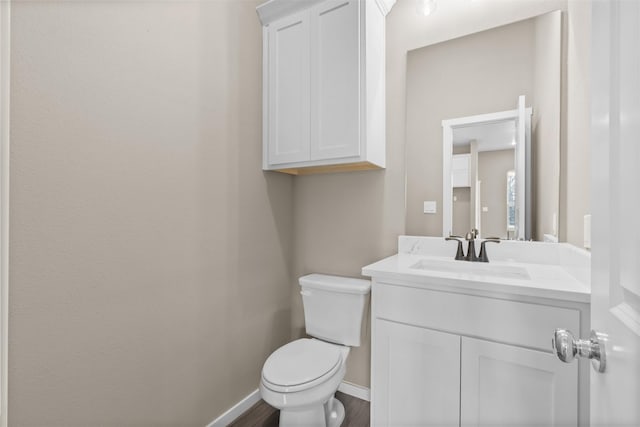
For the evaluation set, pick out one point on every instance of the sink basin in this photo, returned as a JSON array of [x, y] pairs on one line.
[[473, 268]]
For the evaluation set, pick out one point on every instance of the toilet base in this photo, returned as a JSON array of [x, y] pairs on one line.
[[334, 412], [330, 414]]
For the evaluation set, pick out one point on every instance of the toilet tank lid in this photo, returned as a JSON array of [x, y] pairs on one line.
[[345, 285]]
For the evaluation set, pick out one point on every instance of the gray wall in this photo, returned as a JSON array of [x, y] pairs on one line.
[[150, 255], [492, 172], [576, 155], [547, 114], [461, 211]]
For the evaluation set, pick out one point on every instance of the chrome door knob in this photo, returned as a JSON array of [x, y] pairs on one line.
[[566, 347]]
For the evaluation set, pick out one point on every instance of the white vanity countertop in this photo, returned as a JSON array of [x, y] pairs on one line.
[[535, 269]]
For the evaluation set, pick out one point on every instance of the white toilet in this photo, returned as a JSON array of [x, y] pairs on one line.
[[301, 378]]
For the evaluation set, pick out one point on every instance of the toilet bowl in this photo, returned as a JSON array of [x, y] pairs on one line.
[[301, 378]]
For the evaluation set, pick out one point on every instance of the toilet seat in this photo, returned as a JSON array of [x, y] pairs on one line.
[[300, 365]]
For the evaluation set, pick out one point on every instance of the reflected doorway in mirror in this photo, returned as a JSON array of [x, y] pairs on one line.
[[478, 152]]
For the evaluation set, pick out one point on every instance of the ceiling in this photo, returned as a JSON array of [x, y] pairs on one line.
[[490, 136]]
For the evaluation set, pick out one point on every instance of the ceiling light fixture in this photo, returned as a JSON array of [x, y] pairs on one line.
[[426, 7]]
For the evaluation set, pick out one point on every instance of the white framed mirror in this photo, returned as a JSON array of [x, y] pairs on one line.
[[486, 174], [481, 74]]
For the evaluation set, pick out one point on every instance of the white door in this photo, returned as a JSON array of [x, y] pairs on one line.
[[512, 386], [335, 79], [289, 89], [615, 201], [416, 373]]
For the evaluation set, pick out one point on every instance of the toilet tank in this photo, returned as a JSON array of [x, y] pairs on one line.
[[334, 307]]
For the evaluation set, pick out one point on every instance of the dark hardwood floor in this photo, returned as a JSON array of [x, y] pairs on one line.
[[263, 415]]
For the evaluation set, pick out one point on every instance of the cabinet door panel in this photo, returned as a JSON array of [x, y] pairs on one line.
[[460, 164], [335, 80], [289, 129], [416, 376], [507, 385]]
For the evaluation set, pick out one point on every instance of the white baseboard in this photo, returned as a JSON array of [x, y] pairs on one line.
[[355, 390], [239, 408], [236, 410]]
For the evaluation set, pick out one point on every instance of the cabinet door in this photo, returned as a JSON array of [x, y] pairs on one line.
[[335, 79], [415, 376], [460, 170], [507, 385], [289, 129]]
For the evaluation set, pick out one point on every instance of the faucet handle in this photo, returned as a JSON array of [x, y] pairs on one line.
[[483, 257], [460, 252], [472, 235]]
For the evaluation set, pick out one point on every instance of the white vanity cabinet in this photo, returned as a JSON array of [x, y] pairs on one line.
[[323, 85], [443, 357]]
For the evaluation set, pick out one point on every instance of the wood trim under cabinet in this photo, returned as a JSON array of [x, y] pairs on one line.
[[345, 167]]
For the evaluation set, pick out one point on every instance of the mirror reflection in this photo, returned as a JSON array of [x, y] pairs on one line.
[[468, 89], [486, 174]]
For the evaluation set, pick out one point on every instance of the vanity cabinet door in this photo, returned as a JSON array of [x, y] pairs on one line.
[[416, 376], [508, 385], [288, 77], [335, 79]]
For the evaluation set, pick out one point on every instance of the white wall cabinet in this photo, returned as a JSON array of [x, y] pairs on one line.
[[323, 85], [450, 358], [460, 170]]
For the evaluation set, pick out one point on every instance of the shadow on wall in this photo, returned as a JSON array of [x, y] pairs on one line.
[[280, 194]]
